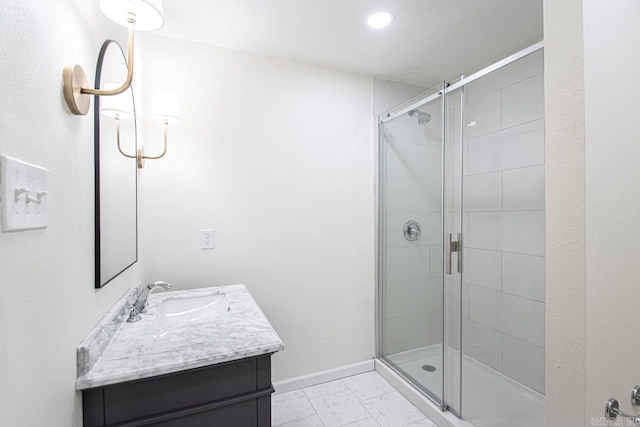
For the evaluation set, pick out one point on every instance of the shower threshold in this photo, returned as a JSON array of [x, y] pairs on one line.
[[484, 390]]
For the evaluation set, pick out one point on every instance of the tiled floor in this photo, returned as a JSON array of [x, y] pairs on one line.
[[364, 400]]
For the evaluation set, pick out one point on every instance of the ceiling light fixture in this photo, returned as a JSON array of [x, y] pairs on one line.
[[380, 20]]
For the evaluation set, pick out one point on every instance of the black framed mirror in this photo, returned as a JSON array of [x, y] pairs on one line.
[[116, 176]]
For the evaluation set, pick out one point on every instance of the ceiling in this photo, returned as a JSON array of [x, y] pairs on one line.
[[429, 41]]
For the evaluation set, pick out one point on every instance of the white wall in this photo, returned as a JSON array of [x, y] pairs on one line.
[[277, 157], [592, 183], [47, 300]]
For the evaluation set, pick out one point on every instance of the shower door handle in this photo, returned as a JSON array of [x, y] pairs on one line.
[[453, 247]]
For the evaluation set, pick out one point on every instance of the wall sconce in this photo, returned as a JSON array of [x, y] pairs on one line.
[[164, 107], [143, 15]]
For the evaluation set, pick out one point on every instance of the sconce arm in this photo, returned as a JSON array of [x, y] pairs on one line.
[[127, 82], [164, 151], [118, 139]]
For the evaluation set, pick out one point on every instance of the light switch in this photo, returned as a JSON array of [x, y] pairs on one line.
[[24, 195]]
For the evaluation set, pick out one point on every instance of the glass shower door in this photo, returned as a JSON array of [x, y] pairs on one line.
[[411, 299]]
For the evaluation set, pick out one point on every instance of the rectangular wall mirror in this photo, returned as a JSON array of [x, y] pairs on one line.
[[116, 176]]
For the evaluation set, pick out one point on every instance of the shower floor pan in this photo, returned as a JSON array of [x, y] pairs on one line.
[[489, 398]]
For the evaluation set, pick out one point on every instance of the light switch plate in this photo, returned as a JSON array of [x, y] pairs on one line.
[[24, 196]]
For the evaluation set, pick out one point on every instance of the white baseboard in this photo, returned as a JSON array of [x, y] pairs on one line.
[[315, 378], [426, 406]]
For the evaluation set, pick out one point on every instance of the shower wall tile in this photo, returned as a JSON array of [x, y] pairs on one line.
[[506, 76], [520, 232], [523, 362], [519, 317], [406, 264], [407, 298], [523, 275], [407, 195], [413, 161], [523, 318], [485, 307], [483, 344], [485, 112], [523, 189], [483, 268], [436, 326], [523, 145], [436, 255], [406, 332], [514, 110], [483, 192], [517, 147]]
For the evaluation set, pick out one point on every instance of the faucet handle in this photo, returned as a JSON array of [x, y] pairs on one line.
[[134, 316], [159, 284]]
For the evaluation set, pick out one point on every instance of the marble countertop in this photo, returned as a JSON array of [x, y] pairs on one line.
[[142, 349]]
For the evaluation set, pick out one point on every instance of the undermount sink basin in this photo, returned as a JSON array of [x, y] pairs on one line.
[[180, 310]]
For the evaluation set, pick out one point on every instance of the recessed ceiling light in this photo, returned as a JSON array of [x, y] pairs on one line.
[[380, 20]]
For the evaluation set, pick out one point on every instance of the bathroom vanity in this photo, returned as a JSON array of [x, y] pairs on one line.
[[200, 357]]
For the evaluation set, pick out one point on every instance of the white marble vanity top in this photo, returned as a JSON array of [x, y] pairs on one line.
[[140, 350]]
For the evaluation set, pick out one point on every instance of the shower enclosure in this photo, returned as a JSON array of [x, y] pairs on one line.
[[461, 243]]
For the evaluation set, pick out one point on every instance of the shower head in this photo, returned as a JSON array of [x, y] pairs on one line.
[[423, 118]]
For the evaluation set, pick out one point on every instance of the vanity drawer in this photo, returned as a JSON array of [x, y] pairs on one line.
[[203, 395]]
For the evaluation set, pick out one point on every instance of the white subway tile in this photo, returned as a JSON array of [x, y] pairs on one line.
[[485, 307], [484, 154], [436, 326], [523, 318], [482, 268], [406, 298], [406, 195], [523, 102], [483, 192], [515, 72], [518, 317], [516, 147], [483, 344], [406, 333], [414, 161], [519, 232], [523, 275], [404, 264], [523, 145], [523, 189], [436, 254], [483, 115], [523, 362]]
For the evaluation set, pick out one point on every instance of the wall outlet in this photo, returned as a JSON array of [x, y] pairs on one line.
[[207, 239]]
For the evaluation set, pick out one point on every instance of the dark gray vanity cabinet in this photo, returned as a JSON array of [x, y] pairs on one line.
[[230, 394]]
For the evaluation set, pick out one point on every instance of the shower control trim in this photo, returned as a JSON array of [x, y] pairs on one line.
[[411, 230]]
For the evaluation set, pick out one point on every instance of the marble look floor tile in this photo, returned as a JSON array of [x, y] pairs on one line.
[[393, 410], [324, 389], [339, 409], [369, 422], [312, 421], [368, 385], [287, 407]]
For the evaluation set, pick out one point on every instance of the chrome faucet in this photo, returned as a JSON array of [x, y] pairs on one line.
[[142, 303]]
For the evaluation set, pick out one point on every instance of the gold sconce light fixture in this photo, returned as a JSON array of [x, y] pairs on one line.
[[165, 108], [143, 15]]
